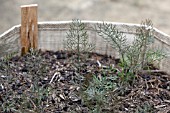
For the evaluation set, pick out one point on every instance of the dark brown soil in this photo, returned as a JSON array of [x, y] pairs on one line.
[[54, 82]]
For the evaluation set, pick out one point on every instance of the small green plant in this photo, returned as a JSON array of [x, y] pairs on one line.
[[95, 95], [140, 53], [5, 61], [35, 99], [135, 56], [8, 106], [77, 41], [146, 107], [77, 38]]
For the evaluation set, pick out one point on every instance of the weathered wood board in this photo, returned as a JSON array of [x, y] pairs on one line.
[[51, 36]]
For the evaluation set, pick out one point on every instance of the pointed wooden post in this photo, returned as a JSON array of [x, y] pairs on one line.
[[29, 28]]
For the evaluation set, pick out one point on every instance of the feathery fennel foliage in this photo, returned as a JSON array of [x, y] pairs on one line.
[[140, 53], [77, 38], [77, 41], [114, 37], [135, 56]]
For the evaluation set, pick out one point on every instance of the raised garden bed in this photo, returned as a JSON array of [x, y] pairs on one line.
[[112, 76], [83, 67], [49, 82]]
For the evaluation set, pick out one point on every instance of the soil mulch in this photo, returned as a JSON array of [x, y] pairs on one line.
[[53, 82]]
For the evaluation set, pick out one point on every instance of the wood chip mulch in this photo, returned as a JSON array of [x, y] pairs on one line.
[[51, 82]]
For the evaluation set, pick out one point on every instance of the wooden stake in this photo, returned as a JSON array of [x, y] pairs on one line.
[[29, 28]]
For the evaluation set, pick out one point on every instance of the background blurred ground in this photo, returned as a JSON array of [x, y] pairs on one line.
[[127, 11]]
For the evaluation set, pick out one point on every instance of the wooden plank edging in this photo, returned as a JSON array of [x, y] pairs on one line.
[[55, 25]]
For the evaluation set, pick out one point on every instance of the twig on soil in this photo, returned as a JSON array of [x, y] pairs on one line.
[[56, 73], [100, 65], [152, 71], [32, 103]]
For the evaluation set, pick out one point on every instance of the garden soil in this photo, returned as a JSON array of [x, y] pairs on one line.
[[51, 82]]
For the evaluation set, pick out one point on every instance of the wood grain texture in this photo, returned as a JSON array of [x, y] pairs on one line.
[[52, 34], [29, 28]]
